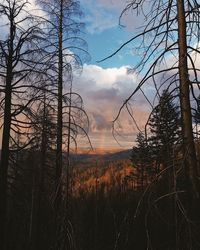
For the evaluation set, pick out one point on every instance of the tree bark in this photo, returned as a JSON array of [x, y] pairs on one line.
[[60, 109], [188, 139], [6, 138], [58, 183]]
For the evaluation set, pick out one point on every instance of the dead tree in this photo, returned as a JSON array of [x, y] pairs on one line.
[[20, 56], [67, 50], [188, 139]]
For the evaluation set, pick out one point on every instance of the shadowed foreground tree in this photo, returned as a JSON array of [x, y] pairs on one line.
[[196, 116], [67, 50], [20, 64], [43, 171]]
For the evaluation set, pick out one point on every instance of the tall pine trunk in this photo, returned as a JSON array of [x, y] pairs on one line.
[[188, 139], [6, 138], [60, 110], [58, 180], [37, 210]]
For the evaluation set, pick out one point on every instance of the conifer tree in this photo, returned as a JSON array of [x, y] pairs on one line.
[[141, 158], [165, 128]]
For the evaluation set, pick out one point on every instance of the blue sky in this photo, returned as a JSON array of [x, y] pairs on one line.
[[104, 34], [104, 43]]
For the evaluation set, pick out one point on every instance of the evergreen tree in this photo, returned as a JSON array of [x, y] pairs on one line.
[[165, 129], [141, 161]]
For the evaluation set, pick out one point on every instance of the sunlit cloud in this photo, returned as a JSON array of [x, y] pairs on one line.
[[103, 92]]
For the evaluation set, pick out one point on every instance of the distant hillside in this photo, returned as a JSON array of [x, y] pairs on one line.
[[92, 171], [122, 155]]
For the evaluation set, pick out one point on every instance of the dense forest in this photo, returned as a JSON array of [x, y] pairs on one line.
[[52, 196]]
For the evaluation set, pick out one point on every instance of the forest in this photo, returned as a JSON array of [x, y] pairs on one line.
[[55, 197]]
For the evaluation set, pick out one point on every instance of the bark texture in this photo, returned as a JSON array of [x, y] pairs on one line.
[[188, 140]]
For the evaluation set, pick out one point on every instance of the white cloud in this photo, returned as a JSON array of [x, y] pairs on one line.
[[106, 77], [35, 9], [103, 92], [30, 7]]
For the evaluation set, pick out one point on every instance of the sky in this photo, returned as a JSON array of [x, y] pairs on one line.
[[105, 85]]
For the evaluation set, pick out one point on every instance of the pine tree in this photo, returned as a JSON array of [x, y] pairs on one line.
[[165, 129], [141, 161]]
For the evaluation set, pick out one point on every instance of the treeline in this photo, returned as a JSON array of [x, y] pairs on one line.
[[40, 50]]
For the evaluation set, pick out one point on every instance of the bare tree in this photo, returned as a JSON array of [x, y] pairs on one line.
[[43, 131], [20, 63], [184, 56], [67, 50]]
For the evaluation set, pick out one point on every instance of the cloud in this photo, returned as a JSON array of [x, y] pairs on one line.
[[98, 21], [113, 4], [98, 17], [106, 77], [103, 92], [31, 7], [99, 122], [101, 15]]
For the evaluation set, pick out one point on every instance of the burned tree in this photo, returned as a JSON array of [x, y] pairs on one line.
[[67, 50], [20, 63]]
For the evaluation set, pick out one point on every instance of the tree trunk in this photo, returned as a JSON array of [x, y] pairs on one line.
[[34, 206], [58, 184], [38, 170], [68, 148], [188, 140], [6, 138], [4, 163], [42, 170], [60, 109]]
